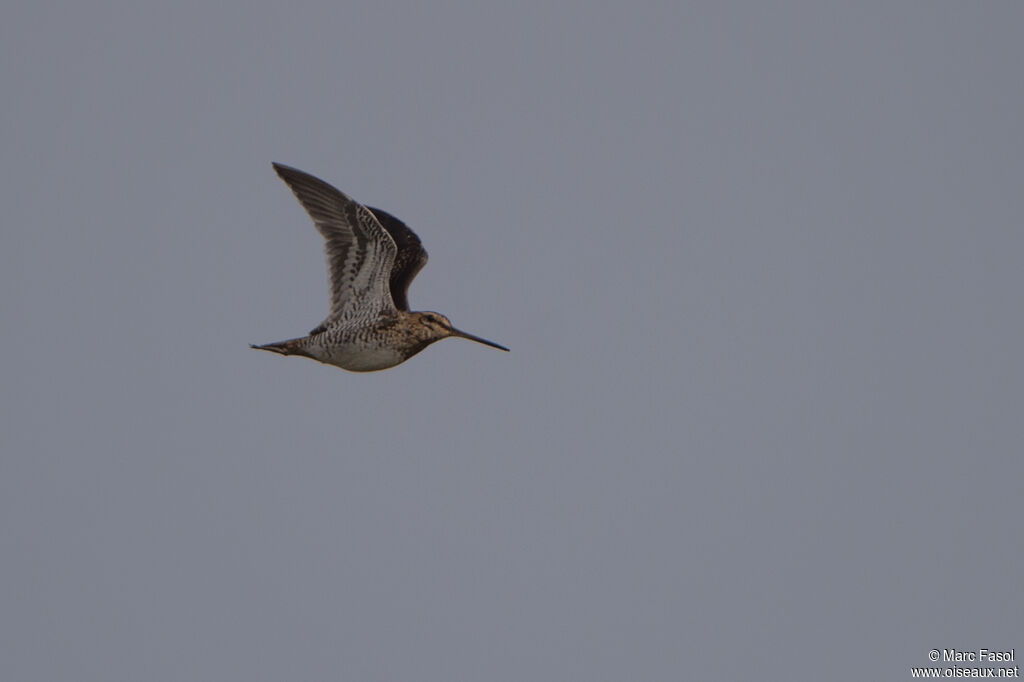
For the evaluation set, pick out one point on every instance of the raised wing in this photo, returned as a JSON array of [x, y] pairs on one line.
[[410, 259], [360, 253]]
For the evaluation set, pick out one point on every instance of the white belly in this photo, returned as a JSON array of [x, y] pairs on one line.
[[356, 359]]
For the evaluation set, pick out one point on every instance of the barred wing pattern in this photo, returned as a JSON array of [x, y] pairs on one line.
[[360, 253], [410, 259]]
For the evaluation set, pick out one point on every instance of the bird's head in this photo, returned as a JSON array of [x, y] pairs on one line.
[[440, 327]]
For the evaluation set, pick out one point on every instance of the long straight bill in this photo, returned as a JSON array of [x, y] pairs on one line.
[[464, 335]]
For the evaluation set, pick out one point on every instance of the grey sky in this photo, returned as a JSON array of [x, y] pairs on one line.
[[759, 266]]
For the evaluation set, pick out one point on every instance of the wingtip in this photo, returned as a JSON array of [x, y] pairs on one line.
[[292, 175]]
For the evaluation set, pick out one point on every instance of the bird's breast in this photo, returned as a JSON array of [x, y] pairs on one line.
[[358, 357]]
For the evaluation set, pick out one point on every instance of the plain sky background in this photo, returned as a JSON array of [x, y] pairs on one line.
[[759, 266]]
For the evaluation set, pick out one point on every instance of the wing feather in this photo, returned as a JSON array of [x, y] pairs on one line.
[[409, 260], [360, 252]]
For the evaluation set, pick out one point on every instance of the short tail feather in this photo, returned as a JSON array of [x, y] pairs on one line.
[[290, 347]]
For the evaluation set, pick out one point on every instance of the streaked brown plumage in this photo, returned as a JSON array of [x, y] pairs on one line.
[[372, 258]]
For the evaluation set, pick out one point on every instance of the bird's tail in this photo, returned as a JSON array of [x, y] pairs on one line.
[[289, 347]]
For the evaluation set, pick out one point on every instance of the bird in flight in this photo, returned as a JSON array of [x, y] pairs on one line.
[[372, 257]]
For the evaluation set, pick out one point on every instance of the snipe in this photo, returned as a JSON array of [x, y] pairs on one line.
[[372, 257]]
